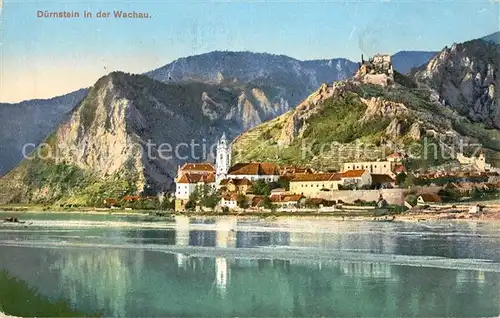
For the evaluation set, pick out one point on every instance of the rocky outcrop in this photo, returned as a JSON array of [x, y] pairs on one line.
[[415, 131], [296, 123], [378, 107], [465, 78]]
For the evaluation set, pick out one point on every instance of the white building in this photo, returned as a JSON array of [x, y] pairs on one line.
[[230, 201], [375, 167], [188, 183], [356, 177]]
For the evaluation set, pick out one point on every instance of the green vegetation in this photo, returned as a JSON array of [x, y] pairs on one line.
[[18, 299], [339, 121], [242, 201], [268, 204], [203, 196], [475, 194], [260, 187]]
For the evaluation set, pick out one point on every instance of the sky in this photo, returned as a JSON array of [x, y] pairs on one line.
[[46, 57]]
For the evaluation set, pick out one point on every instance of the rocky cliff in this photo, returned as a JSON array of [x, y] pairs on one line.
[[465, 78], [132, 131]]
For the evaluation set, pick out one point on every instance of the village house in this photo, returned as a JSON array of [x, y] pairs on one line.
[[382, 181], [426, 198], [358, 178], [110, 202], [243, 186], [278, 191], [286, 201], [310, 184], [256, 201], [189, 182], [230, 201], [289, 172]]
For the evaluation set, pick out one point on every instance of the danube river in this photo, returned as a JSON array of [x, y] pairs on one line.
[[144, 266]]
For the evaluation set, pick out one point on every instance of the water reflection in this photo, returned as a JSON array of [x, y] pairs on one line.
[[102, 277], [135, 282]]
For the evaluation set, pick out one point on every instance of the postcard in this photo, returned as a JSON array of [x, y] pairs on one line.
[[249, 158]]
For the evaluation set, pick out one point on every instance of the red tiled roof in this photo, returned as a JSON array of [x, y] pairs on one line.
[[203, 166], [236, 182], [110, 201], [395, 155], [130, 198], [254, 168], [230, 197], [285, 197], [430, 197], [353, 173], [381, 178], [196, 178], [257, 200], [399, 169], [308, 177]]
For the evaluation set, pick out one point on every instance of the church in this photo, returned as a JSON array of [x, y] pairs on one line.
[[193, 175]]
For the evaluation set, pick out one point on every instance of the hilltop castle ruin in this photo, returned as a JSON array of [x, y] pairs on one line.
[[377, 70]]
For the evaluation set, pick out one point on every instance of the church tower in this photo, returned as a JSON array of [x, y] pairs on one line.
[[222, 159]]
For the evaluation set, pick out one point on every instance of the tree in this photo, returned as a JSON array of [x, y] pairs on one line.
[[281, 183], [242, 201], [400, 178], [211, 201], [409, 180], [268, 204], [167, 204], [190, 205], [260, 187]]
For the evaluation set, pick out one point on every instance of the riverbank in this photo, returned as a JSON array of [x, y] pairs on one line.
[[356, 213]]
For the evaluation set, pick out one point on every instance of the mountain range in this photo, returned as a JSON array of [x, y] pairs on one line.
[[102, 143], [451, 99], [275, 83]]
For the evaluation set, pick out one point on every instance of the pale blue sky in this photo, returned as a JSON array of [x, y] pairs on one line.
[[46, 57]]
